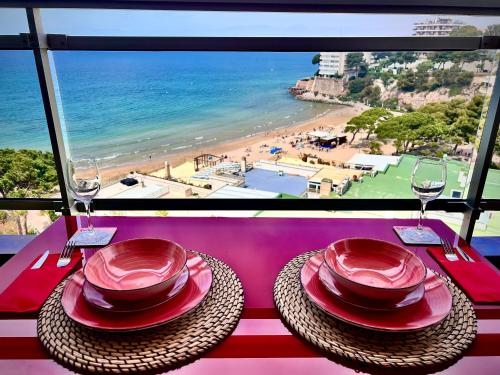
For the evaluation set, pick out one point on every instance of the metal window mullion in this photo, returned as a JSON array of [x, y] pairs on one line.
[[148, 204], [269, 44], [455, 7], [483, 160], [14, 42], [40, 52], [30, 204]]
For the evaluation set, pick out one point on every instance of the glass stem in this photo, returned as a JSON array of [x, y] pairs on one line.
[[422, 213], [90, 226]]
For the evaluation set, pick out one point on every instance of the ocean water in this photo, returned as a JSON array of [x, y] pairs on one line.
[[124, 106]]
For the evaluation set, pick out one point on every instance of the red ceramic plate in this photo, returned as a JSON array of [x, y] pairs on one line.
[[375, 269], [431, 309], [193, 293], [99, 300], [333, 286], [135, 269]]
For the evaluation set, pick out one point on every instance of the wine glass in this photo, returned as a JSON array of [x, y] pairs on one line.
[[84, 182], [428, 180]]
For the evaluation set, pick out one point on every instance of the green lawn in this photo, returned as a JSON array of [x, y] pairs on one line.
[[395, 183], [492, 186]]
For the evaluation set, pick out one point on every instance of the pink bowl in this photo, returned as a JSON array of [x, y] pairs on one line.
[[135, 269], [374, 269]]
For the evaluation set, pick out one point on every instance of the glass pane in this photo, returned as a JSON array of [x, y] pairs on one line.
[[487, 228], [27, 167], [272, 125], [199, 23], [13, 21], [492, 185], [25, 222]]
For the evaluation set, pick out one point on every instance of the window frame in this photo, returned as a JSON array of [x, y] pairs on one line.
[[41, 43]]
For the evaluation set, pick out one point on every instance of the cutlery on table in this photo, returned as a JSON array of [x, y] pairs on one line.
[[40, 260], [464, 254], [448, 251], [65, 257]]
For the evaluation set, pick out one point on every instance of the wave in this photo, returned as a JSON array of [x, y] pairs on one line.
[[198, 138], [182, 147], [114, 156], [207, 141]]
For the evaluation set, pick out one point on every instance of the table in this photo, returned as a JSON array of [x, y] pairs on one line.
[[256, 249]]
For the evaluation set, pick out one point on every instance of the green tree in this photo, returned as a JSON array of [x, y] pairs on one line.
[[493, 30], [26, 173], [391, 103], [316, 59], [467, 30], [378, 56], [368, 120], [355, 125], [462, 57], [358, 84], [375, 115], [53, 216], [371, 95], [407, 81], [422, 76], [386, 77], [440, 58], [409, 130], [461, 118], [451, 78], [407, 57], [355, 60], [497, 144], [375, 148]]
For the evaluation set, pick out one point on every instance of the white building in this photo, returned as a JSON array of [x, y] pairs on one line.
[[439, 26], [331, 63]]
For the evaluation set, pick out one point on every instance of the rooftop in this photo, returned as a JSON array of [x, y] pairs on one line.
[[380, 162]]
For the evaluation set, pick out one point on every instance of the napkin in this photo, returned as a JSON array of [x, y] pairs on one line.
[[479, 280], [31, 288]]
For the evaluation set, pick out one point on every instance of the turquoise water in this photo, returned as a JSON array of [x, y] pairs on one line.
[[123, 106]]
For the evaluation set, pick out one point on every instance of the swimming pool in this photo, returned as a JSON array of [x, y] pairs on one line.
[[262, 179]]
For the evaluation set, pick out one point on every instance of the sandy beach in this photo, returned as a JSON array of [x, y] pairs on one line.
[[256, 147]]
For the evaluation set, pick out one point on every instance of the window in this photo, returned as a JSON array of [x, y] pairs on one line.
[[27, 168], [272, 124], [235, 24], [213, 119]]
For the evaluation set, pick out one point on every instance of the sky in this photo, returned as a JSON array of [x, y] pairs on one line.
[[198, 23]]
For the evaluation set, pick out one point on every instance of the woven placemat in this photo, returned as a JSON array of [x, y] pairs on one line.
[[437, 346], [148, 351]]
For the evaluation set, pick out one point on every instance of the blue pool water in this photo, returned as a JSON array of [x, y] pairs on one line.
[[262, 179]]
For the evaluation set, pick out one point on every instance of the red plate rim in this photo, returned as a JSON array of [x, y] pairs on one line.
[[203, 271], [312, 265], [407, 301], [153, 301]]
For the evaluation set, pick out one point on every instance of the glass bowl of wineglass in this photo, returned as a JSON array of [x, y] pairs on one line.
[[428, 181], [84, 182]]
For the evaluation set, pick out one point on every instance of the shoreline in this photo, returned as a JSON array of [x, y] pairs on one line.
[[334, 118]]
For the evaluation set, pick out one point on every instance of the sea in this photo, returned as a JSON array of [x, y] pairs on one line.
[[122, 107]]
